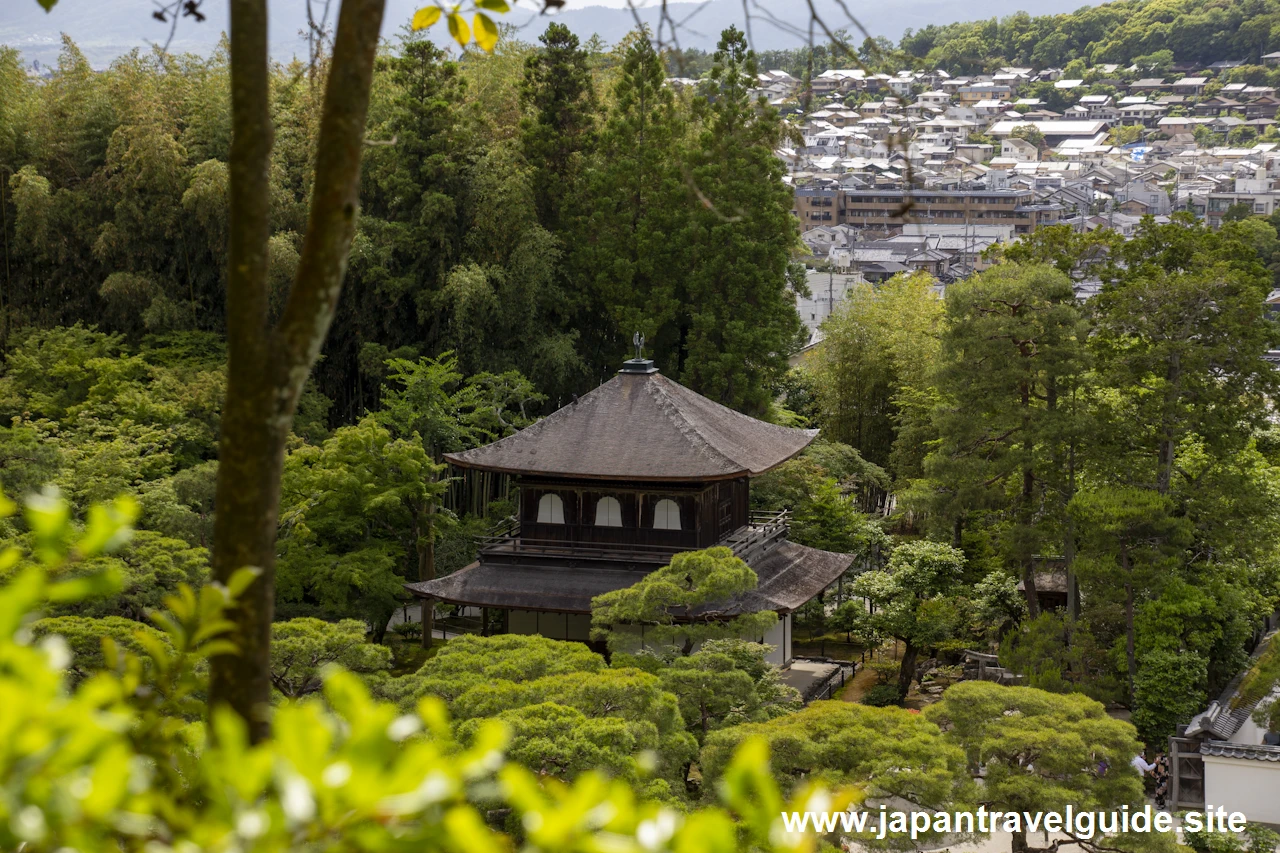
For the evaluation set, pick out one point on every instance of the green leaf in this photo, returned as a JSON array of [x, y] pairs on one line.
[[425, 17], [108, 526], [499, 6], [48, 4], [486, 32], [98, 585], [458, 29], [241, 579]]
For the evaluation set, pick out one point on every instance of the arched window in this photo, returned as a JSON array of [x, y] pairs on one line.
[[666, 515], [608, 513], [550, 509]]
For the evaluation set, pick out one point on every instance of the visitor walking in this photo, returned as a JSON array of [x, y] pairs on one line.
[[1161, 772]]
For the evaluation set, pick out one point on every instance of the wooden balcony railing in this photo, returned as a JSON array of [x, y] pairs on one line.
[[747, 542]]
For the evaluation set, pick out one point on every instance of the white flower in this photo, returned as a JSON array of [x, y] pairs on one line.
[[652, 834], [296, 800], [28, 824], [336, 774], [403, 727], [252, 824], [57, 651]]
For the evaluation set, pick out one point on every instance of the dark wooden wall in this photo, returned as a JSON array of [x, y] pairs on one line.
[[708, 511]]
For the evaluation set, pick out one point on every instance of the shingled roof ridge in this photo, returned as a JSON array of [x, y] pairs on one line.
[[539, 426], [665, 398]]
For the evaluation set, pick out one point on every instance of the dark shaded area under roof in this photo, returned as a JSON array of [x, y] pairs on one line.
[[790, 575], [641, 427]]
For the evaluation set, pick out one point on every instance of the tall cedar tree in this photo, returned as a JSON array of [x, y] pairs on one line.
[[628, 249], [740, 322], [559, 95], [1131, 539]]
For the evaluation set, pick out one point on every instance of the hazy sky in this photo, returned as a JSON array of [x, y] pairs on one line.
[[105, 29], [962, 11]]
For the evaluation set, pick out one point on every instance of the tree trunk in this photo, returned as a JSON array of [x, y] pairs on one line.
[[427, 568], [1129, 652], [1069, 541], [1168, 440], [1018, 842], [1069, 557], [1029, 590], [906, 670], [1029, 570], [267, 366], [379, 633]]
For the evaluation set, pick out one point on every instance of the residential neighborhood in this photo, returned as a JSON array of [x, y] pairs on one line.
[[925, 170]]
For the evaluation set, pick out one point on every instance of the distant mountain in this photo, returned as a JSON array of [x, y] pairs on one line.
[[104, 29]]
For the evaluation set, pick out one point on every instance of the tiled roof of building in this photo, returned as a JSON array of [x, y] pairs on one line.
[[1257, 752], [789, 575], [642, 426], [1221, 720]]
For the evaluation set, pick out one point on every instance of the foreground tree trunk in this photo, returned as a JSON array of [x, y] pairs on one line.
[[267, 366]]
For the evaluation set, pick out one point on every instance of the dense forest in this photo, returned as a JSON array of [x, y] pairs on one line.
[[1151, 34], [1197, 32], [525, 210], [1117, 450]]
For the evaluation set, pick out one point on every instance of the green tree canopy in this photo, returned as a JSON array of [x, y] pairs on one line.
[[890, 751], [1041, 751], [685, 602], [910, 596], [301, 649]]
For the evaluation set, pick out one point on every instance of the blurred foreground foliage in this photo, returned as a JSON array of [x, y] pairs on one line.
[[128, 757]]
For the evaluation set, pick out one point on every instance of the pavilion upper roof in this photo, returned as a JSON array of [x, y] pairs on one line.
[[641, 426]]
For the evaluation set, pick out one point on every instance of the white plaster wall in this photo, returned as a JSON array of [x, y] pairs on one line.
[[777, 637], [1243, 785], [1251, 732]]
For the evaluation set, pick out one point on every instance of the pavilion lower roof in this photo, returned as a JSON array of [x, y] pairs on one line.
[[790, 575]]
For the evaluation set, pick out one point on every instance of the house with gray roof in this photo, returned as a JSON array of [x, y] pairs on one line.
[[1225, 755]]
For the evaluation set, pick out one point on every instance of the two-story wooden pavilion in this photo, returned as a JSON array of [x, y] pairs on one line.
[[615, 483]]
